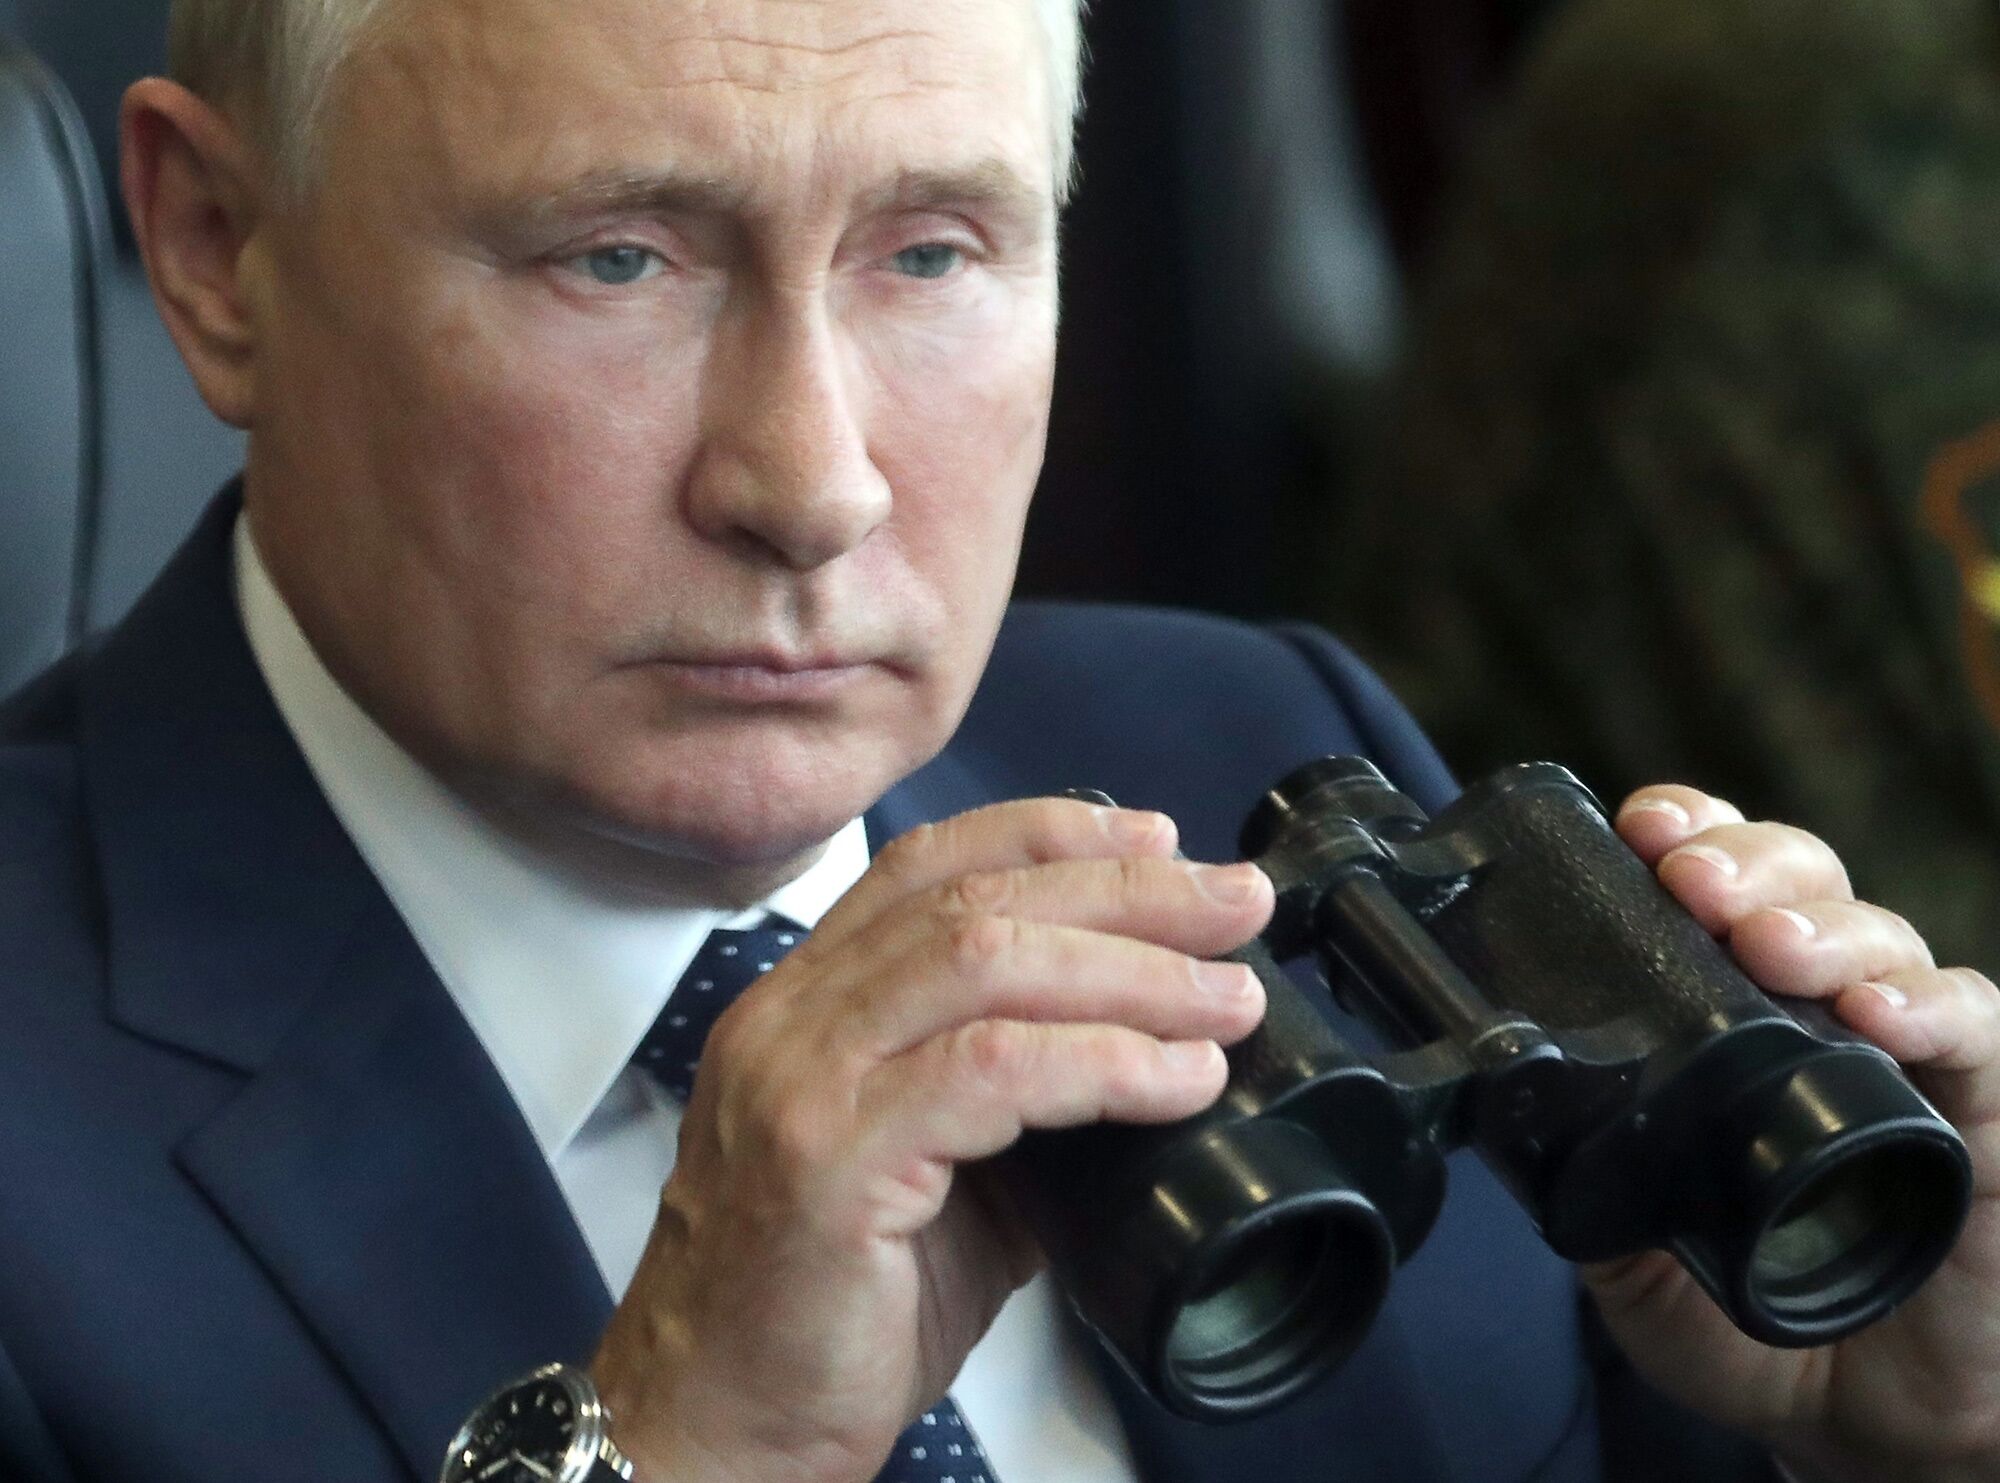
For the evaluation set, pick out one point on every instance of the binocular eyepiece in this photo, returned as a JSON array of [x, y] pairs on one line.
[[1552, 1007]]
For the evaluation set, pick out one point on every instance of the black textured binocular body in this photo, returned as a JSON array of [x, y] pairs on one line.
[[1549, 1005]]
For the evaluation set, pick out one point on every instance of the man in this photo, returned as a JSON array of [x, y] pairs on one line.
[[643, 402]]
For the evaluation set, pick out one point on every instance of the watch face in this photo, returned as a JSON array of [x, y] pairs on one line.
[[523, 1436]]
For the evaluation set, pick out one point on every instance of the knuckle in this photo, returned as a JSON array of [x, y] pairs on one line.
[[1787, 850], [1052, 831], [1791, 844], [1742, 832], [794, 1136], [1126, 1065], [1817, 853], [1136, 877], [982, 893], [741, 1033], [1904, 930], [978, 941], [725, 1039], [995, 1052], [1977, 990], [1894, 921]]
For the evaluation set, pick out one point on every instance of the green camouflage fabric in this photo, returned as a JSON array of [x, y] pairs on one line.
[[1692, 471]]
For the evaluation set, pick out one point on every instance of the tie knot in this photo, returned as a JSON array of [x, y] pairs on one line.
[[729, 962]]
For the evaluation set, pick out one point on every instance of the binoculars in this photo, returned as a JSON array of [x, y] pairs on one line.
[[1546, 1003]]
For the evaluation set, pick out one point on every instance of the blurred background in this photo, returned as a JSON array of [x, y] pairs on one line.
[[1621, 377]]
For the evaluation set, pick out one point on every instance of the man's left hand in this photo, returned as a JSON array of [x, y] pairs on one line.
[[1916, 1396]]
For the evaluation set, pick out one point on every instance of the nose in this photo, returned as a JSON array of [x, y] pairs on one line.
[[785, 473]]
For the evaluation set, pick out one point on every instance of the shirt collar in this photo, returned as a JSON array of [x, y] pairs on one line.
[[560, 980]]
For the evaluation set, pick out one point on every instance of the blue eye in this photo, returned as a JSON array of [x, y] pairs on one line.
[[615, 267], [928, 260]]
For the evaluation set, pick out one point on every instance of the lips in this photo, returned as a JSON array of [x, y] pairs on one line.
[[769, 662], [766, 677]]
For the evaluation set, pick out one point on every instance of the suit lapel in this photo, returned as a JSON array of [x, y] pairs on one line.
[[380, 1173], [372, 1163], [945, 786]]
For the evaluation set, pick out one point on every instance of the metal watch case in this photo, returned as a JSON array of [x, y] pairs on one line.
[[482, 1450]]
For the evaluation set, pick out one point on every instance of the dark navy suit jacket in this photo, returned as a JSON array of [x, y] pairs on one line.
[[268, 1213]]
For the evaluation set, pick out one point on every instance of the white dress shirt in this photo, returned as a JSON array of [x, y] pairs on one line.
[[561, 980]]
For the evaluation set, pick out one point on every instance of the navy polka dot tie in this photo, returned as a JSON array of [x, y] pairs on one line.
[[938, 1447], [728, 963]]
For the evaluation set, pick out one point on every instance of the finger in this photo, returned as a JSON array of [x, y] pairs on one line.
[[1939, 1019], [973, 949], [969, 1093], [990, 967], [1183, 904], [1725, 873], [1819, 948], [1192, 908], [1654, 820], [1006, 836]]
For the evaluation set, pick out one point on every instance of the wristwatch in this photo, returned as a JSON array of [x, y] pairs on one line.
[[548, 1427]]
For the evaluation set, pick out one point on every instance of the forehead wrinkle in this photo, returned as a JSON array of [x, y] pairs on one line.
[[469, 62], [837, 49], [776, 45], [779, 68], [786, 88]]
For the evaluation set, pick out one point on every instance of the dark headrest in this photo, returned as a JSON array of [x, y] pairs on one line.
[[98, 48], [52, 258]]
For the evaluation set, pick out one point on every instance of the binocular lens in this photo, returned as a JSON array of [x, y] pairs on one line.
[[1289, 1298], [1848, 1192], [1253, 1268], [1846, 1234]]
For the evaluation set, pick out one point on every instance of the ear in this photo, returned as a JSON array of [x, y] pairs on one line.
[[193, 190]]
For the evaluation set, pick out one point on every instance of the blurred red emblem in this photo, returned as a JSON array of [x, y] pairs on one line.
[[1961, 507]]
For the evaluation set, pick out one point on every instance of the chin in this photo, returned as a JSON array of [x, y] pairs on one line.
[[763, 807], [737, 842]]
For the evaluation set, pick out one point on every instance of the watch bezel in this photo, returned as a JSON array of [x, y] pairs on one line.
[[589, 1443]]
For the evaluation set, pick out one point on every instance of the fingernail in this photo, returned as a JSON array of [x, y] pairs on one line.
[[1806, 925], [1896, 997], [1129, 826], [1190, 1055], [1664, 806], [1231, 885], [1722, 860], [1232, 983]]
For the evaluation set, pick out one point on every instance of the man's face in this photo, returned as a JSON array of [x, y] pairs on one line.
[[648, 402]]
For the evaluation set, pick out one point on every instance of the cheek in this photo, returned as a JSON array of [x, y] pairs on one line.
[[958, 416], [547, 444], [962, 453]]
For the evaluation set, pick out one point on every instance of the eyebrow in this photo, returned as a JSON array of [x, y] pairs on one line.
[[990, 183], [620, 193]]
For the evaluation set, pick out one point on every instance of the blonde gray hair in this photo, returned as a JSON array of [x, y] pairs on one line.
[[274, 63]]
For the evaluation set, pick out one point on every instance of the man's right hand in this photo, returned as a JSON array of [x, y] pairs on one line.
[[820, 1268]]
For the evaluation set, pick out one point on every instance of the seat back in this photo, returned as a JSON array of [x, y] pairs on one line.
[[53, 252]]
